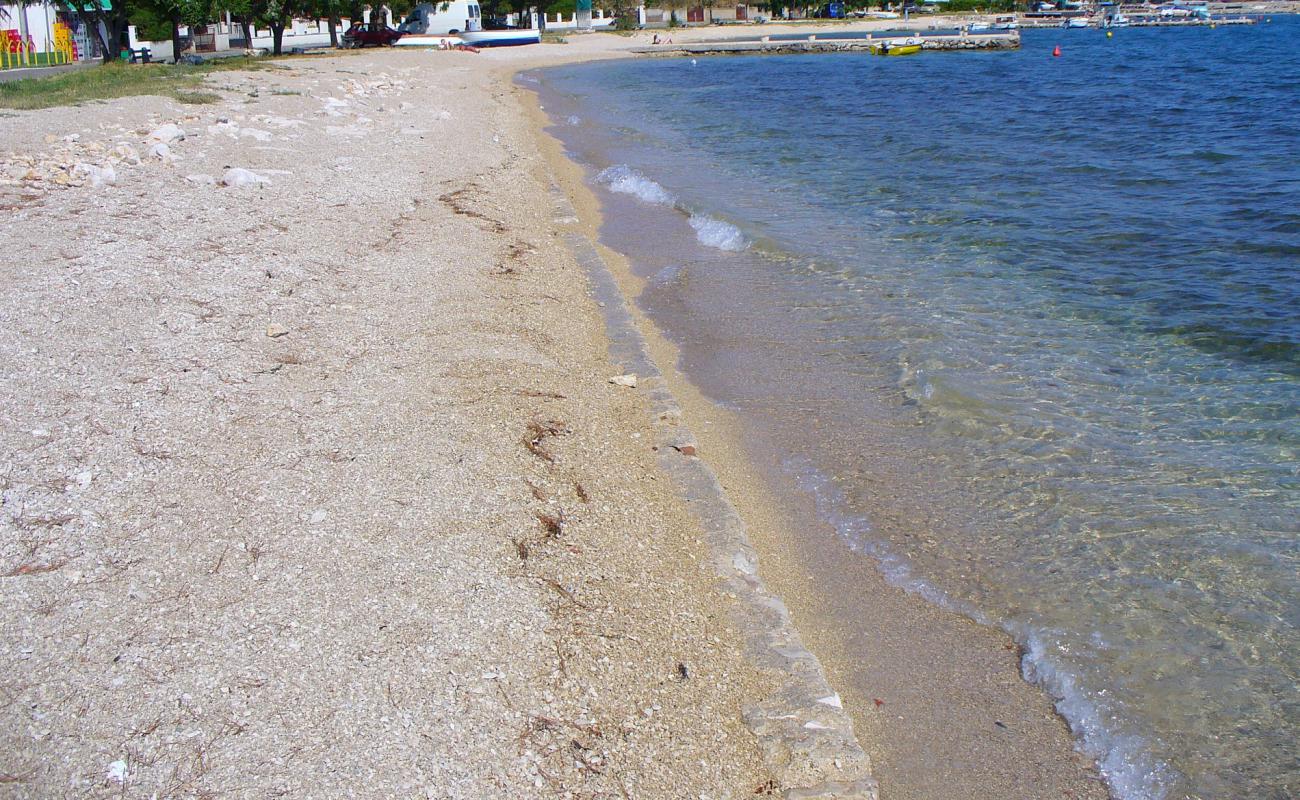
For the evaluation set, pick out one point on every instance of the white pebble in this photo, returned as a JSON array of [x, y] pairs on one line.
[[238, 176], [168, 133], [117, 771]]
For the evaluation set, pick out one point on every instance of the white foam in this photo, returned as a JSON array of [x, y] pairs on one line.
[[716, 233], [625, 180], [1123, 759]]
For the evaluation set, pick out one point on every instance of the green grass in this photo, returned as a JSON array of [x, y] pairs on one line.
[[182, 82]]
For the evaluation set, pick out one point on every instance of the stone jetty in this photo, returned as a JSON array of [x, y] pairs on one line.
[[997, 40]]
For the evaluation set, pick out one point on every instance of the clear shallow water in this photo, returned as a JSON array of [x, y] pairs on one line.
[[1028, 331]]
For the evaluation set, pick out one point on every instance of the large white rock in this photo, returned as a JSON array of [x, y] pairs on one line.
[[98, 176], [238, 176], [171, 132]]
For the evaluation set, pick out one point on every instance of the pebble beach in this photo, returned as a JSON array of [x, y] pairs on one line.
[[330, 469]]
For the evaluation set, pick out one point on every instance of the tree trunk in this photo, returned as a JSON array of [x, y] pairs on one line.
[[116, 24], [277, 36], [176, 40], [334, 32], [248, 33], [94, 25]]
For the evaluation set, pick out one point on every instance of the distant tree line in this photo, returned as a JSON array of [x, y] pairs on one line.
[[162, 20]]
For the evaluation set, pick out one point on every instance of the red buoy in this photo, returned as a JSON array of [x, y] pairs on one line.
[[1057, 52]]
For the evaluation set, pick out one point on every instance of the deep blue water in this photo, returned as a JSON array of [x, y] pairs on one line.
[[1052, 304]]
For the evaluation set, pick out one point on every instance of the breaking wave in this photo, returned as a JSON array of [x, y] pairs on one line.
[[1123, 759], [625, 180], [716, 233]]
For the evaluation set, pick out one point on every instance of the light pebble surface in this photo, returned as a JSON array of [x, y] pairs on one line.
[[314, 483]]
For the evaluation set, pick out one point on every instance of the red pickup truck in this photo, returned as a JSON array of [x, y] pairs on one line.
[[364, 33]]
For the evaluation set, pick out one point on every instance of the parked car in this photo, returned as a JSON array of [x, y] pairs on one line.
[[364, 33]]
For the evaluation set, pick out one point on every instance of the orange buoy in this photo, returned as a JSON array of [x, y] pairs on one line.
[[1057, 52]]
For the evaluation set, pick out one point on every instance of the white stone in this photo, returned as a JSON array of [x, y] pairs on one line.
[[99, 176], [238, 176], [832, 700], [171, 132], [117, 771], [628, 380], [126, 153]]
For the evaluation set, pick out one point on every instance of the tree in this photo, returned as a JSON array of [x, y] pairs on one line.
[[332, 11], [671, 7], [276, 15], [242, 11], [158, 19], [106, 20]]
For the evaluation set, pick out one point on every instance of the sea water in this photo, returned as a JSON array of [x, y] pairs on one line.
[[1027, 331]]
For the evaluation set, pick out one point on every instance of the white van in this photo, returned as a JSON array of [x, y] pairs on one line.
[[438, 19]]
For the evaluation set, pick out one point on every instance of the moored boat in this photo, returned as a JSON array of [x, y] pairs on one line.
[[503, 37], [888, 48]]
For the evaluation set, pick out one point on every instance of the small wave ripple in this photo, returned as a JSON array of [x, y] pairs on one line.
[[710, 231], [625, 180], [1123, 758], [716, 233]]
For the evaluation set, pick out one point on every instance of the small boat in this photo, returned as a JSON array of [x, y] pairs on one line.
[[887, 49], [1006, 24], [1076, 22], [439, 42], [472, 39], [979, 27], [504, 37]]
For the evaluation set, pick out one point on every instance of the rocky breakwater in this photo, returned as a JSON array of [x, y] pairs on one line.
[[1001, 40]]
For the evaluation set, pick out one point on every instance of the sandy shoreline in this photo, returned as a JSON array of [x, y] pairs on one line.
[[320, 487]]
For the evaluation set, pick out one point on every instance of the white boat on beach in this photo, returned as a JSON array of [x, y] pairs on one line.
[[442, 42], [499, 38], [505, 37]]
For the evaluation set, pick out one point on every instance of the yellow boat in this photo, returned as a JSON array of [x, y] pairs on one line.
[[887, 49]]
